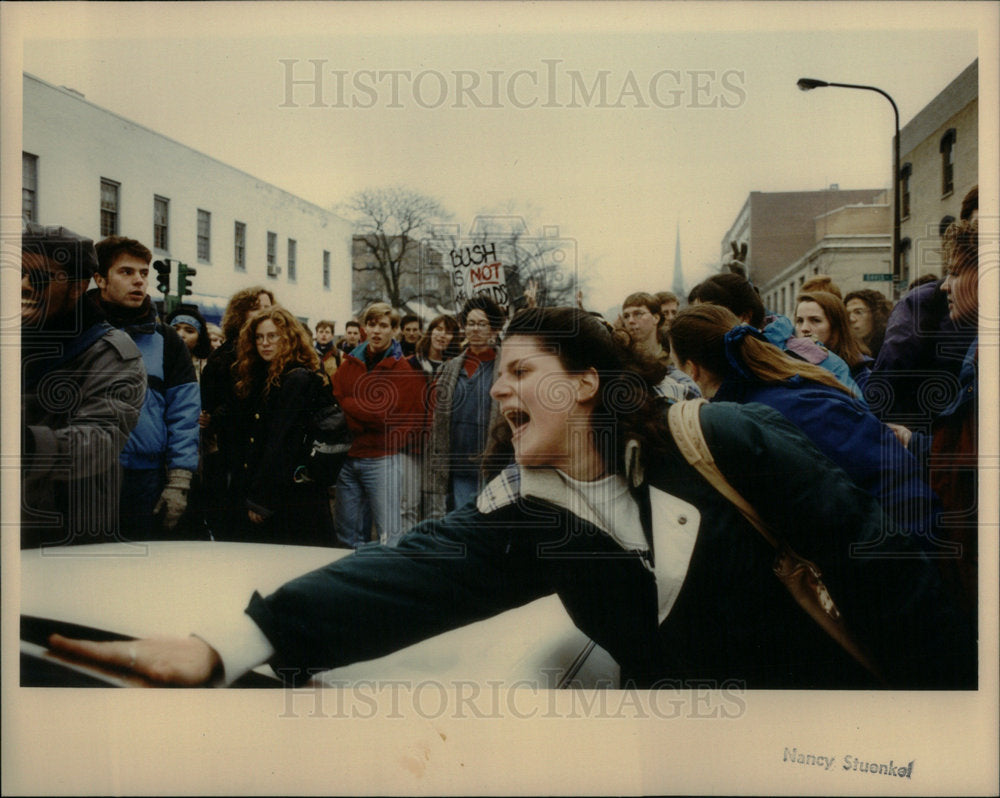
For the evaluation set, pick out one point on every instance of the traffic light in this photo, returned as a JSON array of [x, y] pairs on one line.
[[162, 276], [184, 272]]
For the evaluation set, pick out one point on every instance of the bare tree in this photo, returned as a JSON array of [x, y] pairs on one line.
[[390, 224], [549, 264]]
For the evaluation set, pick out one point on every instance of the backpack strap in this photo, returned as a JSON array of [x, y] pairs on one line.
[[801, 577]]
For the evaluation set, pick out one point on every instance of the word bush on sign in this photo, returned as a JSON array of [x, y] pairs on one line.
[[473, 256], [475, 271], [499, 257]]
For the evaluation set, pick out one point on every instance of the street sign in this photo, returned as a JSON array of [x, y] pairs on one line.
[[878, 278]]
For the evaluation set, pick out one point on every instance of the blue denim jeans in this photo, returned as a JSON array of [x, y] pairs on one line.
[[369, 488], [412, 482]]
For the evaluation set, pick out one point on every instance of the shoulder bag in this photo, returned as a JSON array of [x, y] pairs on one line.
[[801, 577]]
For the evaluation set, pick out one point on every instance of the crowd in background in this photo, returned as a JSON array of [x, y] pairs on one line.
[[208, 427]]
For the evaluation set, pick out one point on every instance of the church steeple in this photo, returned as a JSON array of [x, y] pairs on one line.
[[678, 284]]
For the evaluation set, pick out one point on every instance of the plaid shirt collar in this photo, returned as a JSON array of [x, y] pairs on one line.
[[515, 483]]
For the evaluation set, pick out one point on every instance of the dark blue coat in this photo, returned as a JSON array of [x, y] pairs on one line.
[[850, 435], [916, 374]]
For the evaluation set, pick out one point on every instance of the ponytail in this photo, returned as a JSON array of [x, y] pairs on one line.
[[711, 337]]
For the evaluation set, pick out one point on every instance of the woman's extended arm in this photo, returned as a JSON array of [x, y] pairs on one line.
[[443, 575], [183, 661]]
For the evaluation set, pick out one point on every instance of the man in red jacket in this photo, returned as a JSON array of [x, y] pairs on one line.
[[372, 386]]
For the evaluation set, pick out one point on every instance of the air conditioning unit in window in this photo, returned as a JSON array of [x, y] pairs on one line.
[[273, 271]]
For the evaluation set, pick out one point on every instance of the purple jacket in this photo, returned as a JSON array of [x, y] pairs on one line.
[[916, 374]]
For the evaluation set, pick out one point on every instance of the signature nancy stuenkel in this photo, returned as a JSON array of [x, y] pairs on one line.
[[850, 762]]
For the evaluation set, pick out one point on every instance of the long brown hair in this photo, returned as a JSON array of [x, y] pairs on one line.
[[423, 347], [711, 337], [841, 341], [296, 349], [240, 305], [880, 307]]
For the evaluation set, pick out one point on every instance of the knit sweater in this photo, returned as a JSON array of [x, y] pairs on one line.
[[439, 457]]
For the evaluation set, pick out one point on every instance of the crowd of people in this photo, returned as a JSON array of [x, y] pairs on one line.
[[538, 445]]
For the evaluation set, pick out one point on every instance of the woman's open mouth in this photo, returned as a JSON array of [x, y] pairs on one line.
[[517, 419]]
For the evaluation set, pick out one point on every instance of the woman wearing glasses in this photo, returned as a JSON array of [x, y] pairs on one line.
[[277, 384], [462, 410]]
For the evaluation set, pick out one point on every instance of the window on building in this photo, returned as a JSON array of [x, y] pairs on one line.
[[784, 307], [326, 269], [904, 189], [240, 247], [272, 254], [292, 246], [161, 218], [204, 236], [802, 279], [948, 161], [904, 260], [29, 186], [109, 207]]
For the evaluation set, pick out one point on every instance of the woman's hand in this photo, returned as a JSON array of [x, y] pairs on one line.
[[182, 661], [204, 419], [531, 293], [255, 518]]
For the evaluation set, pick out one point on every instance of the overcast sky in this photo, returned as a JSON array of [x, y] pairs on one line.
[[483, 105]]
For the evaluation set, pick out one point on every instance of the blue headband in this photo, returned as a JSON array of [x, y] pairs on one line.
[[733, 341], [189, 320]]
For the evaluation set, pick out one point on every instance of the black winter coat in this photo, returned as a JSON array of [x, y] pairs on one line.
[[269, 446]]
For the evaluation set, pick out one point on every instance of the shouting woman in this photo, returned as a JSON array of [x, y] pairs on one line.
[[601, 508]]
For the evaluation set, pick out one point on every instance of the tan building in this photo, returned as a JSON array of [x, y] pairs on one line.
[[780, 227], [852, 244], [848, 234], [792, 235], [939, 163]]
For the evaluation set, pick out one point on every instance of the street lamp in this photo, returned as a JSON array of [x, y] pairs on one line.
[[807, 84]]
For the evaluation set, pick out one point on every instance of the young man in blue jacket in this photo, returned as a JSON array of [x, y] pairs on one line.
[[162, 453]]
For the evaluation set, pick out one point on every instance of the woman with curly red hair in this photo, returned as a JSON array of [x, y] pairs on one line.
[[278, 383]]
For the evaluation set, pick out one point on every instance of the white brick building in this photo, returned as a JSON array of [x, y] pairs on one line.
[[98, 173]]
